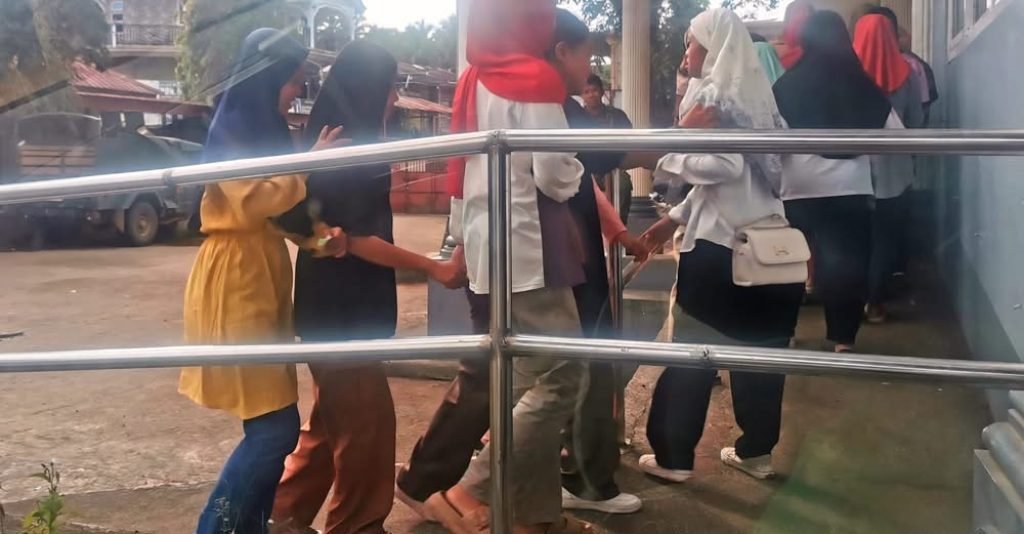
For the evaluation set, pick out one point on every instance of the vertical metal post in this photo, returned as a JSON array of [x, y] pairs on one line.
[[499, 205], [615, 261], [616, 305]]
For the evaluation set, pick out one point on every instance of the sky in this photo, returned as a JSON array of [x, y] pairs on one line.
[[401, 13]]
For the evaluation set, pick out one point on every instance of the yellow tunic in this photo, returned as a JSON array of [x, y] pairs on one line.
[[240, 291]]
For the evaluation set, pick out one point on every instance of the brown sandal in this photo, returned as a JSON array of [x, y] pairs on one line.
[[475, 522], [570, 525]]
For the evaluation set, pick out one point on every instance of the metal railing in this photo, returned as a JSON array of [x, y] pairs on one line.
[[502, 344], [145, 34]]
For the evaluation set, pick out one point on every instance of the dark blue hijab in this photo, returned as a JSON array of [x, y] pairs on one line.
[[247, 122]]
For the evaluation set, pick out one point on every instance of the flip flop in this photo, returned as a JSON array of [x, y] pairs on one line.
[[474, 522], [570, 525]]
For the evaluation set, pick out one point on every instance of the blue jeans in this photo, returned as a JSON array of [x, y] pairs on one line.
[[243, 498]]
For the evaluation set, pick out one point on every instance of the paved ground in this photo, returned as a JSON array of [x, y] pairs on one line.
[[858, 455]]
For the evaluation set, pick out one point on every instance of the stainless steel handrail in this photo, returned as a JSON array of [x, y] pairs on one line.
[[966, 372], [125, 182], [989, 142], [501, 346], [980, 142], [414, 348]]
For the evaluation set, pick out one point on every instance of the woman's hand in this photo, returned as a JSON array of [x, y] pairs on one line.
[[634, 247], [328, 138], [658, 233], [459, 256], [449, 273], [333, 243], [700, 117]]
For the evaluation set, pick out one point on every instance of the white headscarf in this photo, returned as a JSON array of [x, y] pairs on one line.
[[734, 82]]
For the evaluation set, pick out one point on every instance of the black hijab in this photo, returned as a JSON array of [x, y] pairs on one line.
[[828, 88], [354, 96], [348, 298], [247, 122]]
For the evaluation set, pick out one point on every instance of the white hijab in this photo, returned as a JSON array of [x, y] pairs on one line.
[[734, 82]]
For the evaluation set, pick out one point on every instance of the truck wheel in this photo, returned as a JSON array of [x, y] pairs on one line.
[[141, 224]]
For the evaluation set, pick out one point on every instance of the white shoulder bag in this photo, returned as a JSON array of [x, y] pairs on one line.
[[769, 252]]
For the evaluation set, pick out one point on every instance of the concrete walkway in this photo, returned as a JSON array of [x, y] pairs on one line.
[[856, 455]]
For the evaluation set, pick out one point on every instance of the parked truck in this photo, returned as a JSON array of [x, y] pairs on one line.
[[64, 145]]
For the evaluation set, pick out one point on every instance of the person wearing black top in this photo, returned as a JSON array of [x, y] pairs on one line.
[[349, 442], [601, 115], [828, 196]]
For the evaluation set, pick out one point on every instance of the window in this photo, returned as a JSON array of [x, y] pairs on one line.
[[117, 6], [980, 7], [968, 18], [957, 16]]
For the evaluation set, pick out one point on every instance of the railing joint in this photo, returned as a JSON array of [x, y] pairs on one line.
[[498, 140], [705, 355]]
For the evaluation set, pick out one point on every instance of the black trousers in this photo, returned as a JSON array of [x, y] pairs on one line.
[[680, 405], [719, 312], [443, 452], [838, 230], [888, 245]]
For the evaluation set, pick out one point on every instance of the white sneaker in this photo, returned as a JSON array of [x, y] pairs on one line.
[[649, 465], [623, 503], [759, 467]]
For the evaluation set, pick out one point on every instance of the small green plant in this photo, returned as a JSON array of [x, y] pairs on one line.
[[44, 519]]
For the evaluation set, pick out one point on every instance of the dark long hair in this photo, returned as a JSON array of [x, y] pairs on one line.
[[828, 87], [247, 122], [569, 29]]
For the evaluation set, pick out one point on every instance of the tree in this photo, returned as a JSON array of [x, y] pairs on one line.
[[445, 38], [419, 43], [39, 39], [214, 31], [670, 20]]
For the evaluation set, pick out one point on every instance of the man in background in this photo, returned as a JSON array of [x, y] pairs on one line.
[[605, 116]]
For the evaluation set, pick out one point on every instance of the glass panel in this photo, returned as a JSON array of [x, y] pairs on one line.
[[908, 256], [980, 7], [957, 13]]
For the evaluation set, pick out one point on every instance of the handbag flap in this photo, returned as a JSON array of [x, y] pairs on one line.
[[777, 246]]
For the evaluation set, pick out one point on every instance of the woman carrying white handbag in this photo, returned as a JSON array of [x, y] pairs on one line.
[[741, 267]]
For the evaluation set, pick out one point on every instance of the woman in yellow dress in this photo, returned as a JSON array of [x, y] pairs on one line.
[[240, 287]]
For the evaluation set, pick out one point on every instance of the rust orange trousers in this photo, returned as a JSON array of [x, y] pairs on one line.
[[347, 445]]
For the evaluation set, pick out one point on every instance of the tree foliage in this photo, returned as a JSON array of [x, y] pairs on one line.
[[37, 33], [214, 31], [419, 43], [669, 21], [38, 41]]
